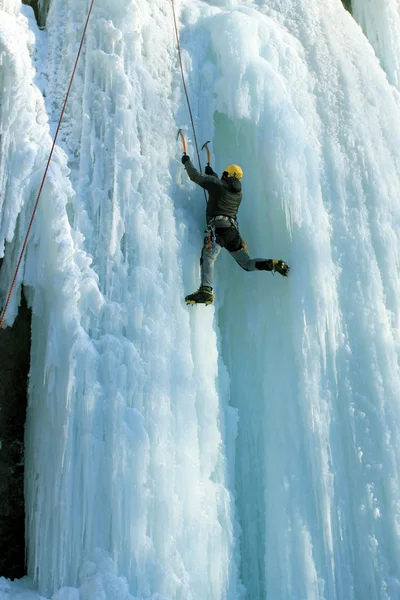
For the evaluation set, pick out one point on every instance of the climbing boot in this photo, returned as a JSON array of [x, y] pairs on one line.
[[272, 264], [203, 295]]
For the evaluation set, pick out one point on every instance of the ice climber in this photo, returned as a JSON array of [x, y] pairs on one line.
[[224, 198]]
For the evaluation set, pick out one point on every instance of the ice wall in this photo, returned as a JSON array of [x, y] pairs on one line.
[[136, 485], [313, 361], [126, 432], [380, 21]]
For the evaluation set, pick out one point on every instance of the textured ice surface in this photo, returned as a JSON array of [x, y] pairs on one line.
[[249, 449]]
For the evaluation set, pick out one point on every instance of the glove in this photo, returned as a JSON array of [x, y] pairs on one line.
[[208, 170], [185, 158]]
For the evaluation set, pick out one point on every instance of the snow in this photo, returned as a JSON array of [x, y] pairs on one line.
[[245, 450]]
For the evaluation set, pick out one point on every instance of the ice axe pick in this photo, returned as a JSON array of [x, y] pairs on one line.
[[183, 140], [208, 151]]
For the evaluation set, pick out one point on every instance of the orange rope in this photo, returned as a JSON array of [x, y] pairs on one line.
[[186, 92], [184, 83], [46, 170]]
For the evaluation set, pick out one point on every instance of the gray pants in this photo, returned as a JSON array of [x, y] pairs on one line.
[[208, 258]]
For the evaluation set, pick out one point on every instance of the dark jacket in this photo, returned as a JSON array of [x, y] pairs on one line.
[[224, 195]]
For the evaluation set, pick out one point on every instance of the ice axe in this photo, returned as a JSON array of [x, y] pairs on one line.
[[183, 140], [208, 151]]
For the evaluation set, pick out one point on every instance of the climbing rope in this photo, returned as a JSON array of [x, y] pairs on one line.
[[184, 87], [184, 83], [46, 169]]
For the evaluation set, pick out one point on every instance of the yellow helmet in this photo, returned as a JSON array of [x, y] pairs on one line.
[[234, 171]]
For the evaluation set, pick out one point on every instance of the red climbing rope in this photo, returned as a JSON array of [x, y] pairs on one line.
[[184, 85], [46, 170]]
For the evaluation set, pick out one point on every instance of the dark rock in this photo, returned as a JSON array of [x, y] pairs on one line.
[[15, 346]]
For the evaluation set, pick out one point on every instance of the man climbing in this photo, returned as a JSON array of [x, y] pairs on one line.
[[224, 198]]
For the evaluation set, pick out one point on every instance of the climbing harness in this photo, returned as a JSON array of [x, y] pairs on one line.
[[46, 170], [214, 221]]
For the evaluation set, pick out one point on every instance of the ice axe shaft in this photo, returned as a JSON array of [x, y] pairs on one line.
[[183, 140], [208, 151]]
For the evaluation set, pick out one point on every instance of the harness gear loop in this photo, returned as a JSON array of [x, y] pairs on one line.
[[46, 169], [244, 247], [210, 241]]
